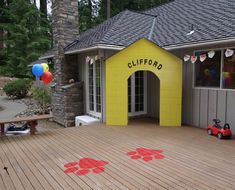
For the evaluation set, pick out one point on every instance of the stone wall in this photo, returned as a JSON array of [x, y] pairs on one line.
[[65, 30]]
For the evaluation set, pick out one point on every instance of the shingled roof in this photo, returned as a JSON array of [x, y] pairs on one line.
[[120, 30], [210, 20], [165, 25]]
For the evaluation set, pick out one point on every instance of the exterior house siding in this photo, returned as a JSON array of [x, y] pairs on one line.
[[201, 105]]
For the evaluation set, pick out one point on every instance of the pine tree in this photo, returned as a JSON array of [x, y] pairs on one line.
[[28, 36]]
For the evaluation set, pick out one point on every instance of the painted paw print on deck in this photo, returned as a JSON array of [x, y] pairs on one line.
[[146, 154], [84, 166]]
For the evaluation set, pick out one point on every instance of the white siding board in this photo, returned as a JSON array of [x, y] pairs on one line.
[[221, 105], [203, 108], [196, 107], [212, 105], [230, 116]]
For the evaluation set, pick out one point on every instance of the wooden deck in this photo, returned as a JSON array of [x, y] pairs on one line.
[[193, 160]]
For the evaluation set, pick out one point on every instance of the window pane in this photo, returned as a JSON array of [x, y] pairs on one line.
[[207, 73], [229, 72]]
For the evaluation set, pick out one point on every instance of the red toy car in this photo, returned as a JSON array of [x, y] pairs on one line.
[[218, 130]]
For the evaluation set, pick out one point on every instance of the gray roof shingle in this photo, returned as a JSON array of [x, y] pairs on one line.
[[211, 20]]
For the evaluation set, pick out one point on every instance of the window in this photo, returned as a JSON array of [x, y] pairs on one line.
[[94, 88], [208, 72], [228, 81], [137, 92]]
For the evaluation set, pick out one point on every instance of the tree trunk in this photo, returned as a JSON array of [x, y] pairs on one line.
[[43, 6], [108, 9], [1, 39]]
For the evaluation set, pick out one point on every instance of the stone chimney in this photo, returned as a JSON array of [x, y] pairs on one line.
[[66, 98]]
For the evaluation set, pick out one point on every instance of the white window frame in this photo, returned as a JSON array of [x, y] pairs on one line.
[[91, 112], [133, 112]]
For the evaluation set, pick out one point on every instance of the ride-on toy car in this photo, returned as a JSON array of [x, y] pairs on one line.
[[218, 130]]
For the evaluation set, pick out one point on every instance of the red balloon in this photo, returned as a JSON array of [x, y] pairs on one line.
[[47, 77]]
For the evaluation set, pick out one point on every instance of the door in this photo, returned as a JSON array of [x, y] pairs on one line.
[[137, 94], [93, 86]]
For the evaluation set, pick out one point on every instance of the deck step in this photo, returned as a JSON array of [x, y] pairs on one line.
[[85, 120]]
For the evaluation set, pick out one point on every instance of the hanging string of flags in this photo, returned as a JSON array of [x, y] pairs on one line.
[[204, 56], [91, 60]]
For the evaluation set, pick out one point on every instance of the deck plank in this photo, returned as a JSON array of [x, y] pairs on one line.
[[193, 160]]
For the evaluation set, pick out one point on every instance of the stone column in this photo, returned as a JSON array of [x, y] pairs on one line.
[[65, 30]]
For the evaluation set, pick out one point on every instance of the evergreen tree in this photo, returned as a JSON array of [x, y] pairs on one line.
[[27, 36], [88, 11], [120, 5]]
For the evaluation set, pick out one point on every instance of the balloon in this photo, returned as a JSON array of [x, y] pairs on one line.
[[207, 72], [45, 67], [47, 77], [37, 70], [226, 74], [228, 80], [213, 72]]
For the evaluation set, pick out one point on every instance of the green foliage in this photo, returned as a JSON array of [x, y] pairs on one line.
[[88, 11], [27, 36], [118, 6], [42, 95], [93, 12], [18, 89]]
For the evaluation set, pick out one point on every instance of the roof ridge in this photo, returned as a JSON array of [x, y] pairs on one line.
[[143, 13], [152, 28], [118, 21], [158, 6]]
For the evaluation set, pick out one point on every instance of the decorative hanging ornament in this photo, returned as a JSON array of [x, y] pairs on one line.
[[186, 57], [96, 57], [88, 59], [203, 57], [211, 54], [229, 52], [193, 58], [91, 61]]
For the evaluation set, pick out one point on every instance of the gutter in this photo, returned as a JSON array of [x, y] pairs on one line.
[[108, 47], [46, 57], [171, 47], [199, 44]]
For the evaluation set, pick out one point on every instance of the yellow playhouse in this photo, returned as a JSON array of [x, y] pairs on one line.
[[144, 55]]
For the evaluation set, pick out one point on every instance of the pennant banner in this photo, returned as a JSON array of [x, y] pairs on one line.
[[229, 53], [211, 54], [186, 57], [92, 61], [97, 57], [88, 59], [203, 57], [193, 58]]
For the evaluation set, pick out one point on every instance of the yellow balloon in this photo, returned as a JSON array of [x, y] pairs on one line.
[[45, 67]]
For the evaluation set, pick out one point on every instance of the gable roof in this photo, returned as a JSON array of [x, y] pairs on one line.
[[119, 30], [165, 25]]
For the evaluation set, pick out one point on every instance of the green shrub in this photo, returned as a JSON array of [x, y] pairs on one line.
[[18, 89], [42, 95]]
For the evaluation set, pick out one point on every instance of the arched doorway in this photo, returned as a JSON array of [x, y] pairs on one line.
[[143, 95], [143, 55]]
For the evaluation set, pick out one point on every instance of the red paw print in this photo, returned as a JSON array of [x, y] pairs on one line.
[[85, 165], [146, 154]]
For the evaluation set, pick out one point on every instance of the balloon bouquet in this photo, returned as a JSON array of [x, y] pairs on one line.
[[42, 70]]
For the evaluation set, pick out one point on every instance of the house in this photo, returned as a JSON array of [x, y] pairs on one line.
[[193, 41]]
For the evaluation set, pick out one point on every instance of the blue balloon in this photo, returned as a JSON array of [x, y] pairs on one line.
[[213, 72], [37, 70]]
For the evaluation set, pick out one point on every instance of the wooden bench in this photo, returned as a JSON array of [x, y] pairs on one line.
[[30, 120]]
